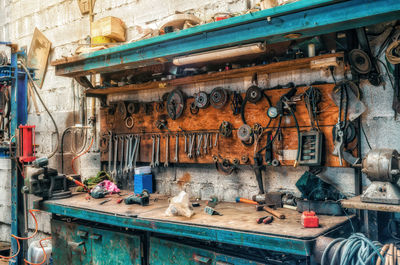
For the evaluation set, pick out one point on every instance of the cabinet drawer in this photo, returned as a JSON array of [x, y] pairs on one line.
[[168, 252], [76, 244]]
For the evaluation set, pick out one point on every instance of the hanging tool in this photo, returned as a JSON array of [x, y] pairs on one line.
[[218, 97], [114, 172], [175, 104], [153, 151], [137, 150], [236, 103], [121, 139], [176, 148], [157, 162], [132, 150], [166, 150], [186, 149], [110, 147], [192, 138], [206, 136], [199, 140], [128, 151], [341, 124]]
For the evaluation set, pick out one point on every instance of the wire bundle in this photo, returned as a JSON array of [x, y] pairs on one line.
[[355, 250], [17, 238]]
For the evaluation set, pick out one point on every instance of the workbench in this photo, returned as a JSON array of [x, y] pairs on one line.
[[237, 226]]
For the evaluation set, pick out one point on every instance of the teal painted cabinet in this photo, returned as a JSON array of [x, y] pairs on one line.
[[76, 244], [167, 252]]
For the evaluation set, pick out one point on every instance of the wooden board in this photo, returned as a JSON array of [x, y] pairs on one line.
[[356, 203], [210, 119], [38, 55], [236, 216], [302, 63]]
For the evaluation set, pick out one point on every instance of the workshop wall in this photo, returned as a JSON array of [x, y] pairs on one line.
[[61, 22]]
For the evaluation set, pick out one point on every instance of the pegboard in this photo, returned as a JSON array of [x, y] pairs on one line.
[[209, 120]]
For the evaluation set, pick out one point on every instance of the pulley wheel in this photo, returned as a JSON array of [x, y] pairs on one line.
[[244, 133], [218, 97], [253, 94], [175, 104], [225, 129], [201, 100], [360, 61]]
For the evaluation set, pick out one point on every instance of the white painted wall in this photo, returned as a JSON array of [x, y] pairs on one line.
[[65, 27]]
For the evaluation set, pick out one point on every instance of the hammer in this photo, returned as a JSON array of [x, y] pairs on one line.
[[271, 211], [261, 207]]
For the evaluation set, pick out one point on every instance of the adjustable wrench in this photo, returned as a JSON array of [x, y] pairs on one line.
[[166, 164], [157, 163], [110, 149], [210, 141], [114, 171], [176, 147], [153, 151]]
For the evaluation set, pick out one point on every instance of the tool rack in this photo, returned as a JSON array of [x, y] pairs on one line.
[[86, 230]]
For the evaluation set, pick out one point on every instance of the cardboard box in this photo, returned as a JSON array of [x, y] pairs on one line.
[[110, 27]]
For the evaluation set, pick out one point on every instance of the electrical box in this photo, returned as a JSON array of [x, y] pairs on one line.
[[311, 143]]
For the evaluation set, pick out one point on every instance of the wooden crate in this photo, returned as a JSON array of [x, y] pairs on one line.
[[110, 27]]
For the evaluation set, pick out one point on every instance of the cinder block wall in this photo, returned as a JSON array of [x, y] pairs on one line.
[[65, 27]]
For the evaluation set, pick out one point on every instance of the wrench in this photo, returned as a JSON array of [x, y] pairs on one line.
[[186, 149], [216, 139], [114, 171], [153, 151], [206, 142], [199, 141], [110, 147], [130, 154], [157, 163], [176, 147], [166, 164], [191, 143], [121, 138], [210, 141], [128, 147], [137, 152]]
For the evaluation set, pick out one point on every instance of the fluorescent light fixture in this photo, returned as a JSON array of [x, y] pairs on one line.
[[220, 54]]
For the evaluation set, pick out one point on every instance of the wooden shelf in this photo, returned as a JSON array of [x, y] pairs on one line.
[[356, 203], [303, 63]]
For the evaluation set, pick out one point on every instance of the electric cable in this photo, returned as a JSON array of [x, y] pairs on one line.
[[45, 107], [76, 157], [357, 249], [44, 253], [390, 56]]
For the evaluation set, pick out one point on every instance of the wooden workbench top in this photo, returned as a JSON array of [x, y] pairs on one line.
[[236, 216]]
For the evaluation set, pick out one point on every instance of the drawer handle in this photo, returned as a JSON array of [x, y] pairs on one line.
[[201, 259], [82, 233], [95, 237], [75, 246]]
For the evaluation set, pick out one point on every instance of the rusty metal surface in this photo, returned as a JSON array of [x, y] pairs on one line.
[[356, 203], [80, 245]]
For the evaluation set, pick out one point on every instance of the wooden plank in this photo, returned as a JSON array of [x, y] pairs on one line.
[[236, 216], [209, 119], [302, 63], [38, 55], [356, 203]]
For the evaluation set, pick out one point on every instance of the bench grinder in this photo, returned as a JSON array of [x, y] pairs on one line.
[[382, 167]]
